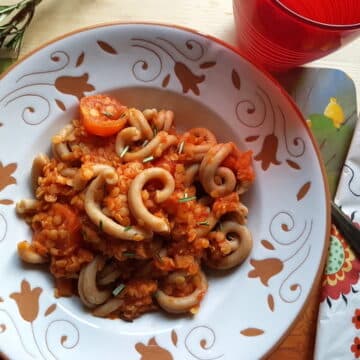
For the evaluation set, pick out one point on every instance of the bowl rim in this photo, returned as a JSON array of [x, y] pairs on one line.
[[327, 26], [265, 73]]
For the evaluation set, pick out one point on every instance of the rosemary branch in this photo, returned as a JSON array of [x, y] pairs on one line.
[[14, 19]]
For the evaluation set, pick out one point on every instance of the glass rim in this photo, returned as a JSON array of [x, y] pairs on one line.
[[310, 21]]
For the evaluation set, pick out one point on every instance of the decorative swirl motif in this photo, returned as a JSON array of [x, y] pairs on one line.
[[36, 342], [190, 45], [57, 57], [352, 176], [284, 221], [3, 227], [30, 113], [304, 242], [182, 72], [22, 88], [246, 110], [144, 66], [60, 325], [270, 103], [204, 337], [35, 113], [293, 287], [297, 141], [17, 331]]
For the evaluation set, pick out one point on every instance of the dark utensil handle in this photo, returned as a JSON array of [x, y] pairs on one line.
[[346, 227]]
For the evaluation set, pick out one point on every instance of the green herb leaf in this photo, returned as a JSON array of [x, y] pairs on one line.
[[118, 289], [203, 223], [148, 159], [125, 150], [145, 143], [158, 257], [107, 114], [186, 199], [181, 147], [127, 228], [129, 254], [14, 20]]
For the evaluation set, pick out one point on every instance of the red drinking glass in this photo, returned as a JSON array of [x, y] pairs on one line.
[[281, 34]]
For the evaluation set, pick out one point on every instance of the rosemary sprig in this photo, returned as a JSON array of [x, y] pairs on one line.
[[186, 199], [148, 159], [129, 254], [14, 19], [181, 147], [124, 151], [118, 289]]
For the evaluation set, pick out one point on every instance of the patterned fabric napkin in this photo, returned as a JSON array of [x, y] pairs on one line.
[[338, 333], [328, 99]]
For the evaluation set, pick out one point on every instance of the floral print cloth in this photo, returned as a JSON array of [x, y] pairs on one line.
[[338, 332], [327, 99]]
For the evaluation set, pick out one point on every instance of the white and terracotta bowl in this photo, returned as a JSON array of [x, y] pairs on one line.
[[207, 83]]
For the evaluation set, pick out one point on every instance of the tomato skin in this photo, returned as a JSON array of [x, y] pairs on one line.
[[102, 115], [68, 223], [70, 219]]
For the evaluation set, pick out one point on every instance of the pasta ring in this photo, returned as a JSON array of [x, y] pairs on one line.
[[177, 305], [60, 146], [110, 306], [108, 225], [37, 169], [87, 287], [137, 119], [197, 152], [27, 254], [210, 167], [240, 247], [136, 205], [155, 147]]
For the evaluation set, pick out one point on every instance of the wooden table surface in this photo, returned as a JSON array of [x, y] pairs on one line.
[[54, 18]]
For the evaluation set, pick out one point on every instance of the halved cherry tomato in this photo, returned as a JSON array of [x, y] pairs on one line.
[[67, 222], [102, 115], [70, 219]]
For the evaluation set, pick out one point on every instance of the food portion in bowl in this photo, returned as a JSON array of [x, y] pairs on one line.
[[128, 210]]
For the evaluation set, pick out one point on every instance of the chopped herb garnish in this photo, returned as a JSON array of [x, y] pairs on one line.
[[155, 130], [129, 254], [186, 199], [203, 223], [125, 150], [145, 143], [84, 235], [107, 114], [101, 225], [158, 257], [181, 147], [127, 228], [118, 289], [148, 159]]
